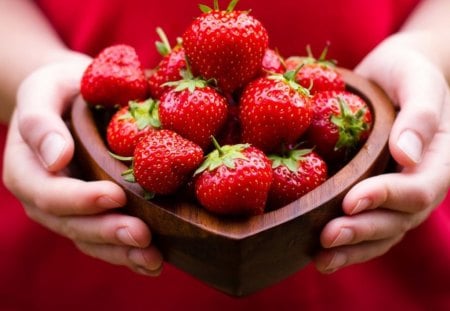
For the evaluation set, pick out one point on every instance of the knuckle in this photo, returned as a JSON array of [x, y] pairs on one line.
[[424, 199], [69, 230]]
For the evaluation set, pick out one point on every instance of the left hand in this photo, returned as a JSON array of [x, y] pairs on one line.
[[381, 209]]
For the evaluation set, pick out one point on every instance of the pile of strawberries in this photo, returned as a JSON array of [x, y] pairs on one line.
[[225, 116]]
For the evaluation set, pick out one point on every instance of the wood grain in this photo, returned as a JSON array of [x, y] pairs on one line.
[[240, 256]]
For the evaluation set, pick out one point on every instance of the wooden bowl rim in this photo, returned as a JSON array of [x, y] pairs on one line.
[[240, 228]]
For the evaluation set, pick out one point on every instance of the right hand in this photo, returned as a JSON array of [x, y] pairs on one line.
[[38, 151]]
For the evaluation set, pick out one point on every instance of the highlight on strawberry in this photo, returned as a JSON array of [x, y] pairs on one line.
[[222, 80], [226, 45]]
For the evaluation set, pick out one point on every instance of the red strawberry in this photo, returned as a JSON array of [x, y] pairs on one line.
[[114, 78], [231, 131], [316, 74], [164, 161], [193, 110], [341, 123], [294, 175], [227, 46], [274, 111], [169, 68], [234, 180], [272, 62], [129, 125]]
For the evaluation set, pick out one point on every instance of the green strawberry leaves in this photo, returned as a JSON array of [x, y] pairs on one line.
[[350, 125], [291, 160], [222, 155], [144, 113], [206, 9]]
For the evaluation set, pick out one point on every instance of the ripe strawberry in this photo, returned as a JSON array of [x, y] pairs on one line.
[[316, 74], [294, 175], [193, 110], [164, 161], [114, 78], [227, 46], [341, 123], [230, 133], [272, 62], [234, 180], [169, 68], [129, 125], [274, 111]]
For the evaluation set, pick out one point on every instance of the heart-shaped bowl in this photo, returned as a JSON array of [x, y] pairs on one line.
[[239, 256]]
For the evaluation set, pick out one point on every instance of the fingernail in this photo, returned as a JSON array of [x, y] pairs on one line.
[[51, 148], [345, 236], [361, 205], [125, 237], [107, 202], [139, 258], [411, 145], [339, 260]]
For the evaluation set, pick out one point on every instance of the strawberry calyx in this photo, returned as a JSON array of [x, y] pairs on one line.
[[128, 174], [222, 155], [290, 160], [350, 125], [206, 9], [289, 78], [322, 60], [188, 81], [144, 113]]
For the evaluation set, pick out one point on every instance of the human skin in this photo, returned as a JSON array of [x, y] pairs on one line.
[[379, 210]]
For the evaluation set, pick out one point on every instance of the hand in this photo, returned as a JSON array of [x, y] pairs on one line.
[[38, 150], [380, 210]]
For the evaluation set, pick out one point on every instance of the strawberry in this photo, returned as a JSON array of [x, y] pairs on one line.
[[272, 62], [316, 74], [231, 131], [295, 174], [225, 45], [341, 123], [169, 68], [194, 110], [234, 180], [114, 77], [164, 161], [274, 110], [129, 125]]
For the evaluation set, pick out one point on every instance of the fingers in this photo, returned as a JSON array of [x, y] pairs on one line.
[[146, 261], [53, 193], [39, 112], [109, 228], [114, 238], [354, 239], [420, 115], [373, 225], [419, 89], [332, 260], [398, 192]]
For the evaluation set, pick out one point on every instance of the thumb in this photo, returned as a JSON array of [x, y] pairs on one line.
[[42, 100], [420, 91]]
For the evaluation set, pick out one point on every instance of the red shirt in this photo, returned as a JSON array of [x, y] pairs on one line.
[[42, 271]]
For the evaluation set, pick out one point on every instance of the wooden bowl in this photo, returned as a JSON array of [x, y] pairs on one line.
[[240, 256]]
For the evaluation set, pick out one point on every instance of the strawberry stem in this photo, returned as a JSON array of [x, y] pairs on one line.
[[217, 145], [232, 5], [162, 46]]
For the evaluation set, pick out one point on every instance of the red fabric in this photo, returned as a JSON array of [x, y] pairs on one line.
[[353, 27], [42, 271]]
